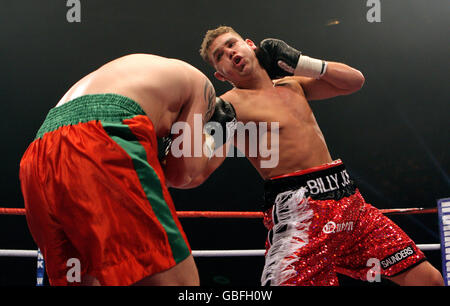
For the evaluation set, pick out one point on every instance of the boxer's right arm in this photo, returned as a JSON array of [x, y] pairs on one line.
[[186, 159], [212, 166], [224, 116]]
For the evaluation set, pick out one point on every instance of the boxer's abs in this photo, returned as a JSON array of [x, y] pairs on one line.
[[301, 145], [295, 152]]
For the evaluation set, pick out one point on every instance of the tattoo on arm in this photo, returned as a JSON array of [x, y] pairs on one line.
[[209, 95]]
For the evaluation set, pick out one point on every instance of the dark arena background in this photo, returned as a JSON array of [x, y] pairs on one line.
[[393, 134]]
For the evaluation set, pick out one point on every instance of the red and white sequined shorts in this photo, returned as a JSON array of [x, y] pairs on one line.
[[320, 225]]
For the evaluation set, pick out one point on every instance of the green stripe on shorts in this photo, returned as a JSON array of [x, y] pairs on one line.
[[151, 185]]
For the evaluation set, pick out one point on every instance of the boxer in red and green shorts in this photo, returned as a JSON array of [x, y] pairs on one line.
[[93, 186]]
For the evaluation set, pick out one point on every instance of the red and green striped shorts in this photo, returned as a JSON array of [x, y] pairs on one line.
[[94, 190]]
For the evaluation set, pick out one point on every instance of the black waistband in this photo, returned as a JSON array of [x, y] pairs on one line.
[[330, 183]]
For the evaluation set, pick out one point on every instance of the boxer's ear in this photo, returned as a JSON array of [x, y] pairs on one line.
[[219, 76], [251, 43]]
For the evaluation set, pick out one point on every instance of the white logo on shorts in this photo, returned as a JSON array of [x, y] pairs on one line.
[[330, 227]]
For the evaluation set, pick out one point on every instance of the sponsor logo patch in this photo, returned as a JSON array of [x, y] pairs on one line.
[[332, 227]]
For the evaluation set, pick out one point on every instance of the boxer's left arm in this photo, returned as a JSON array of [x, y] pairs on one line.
[[319, 79], [339, 79]]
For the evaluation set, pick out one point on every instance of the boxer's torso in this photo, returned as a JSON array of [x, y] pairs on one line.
[[301, 143]]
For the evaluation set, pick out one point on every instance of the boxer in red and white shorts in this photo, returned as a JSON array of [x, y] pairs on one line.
[[326, 226], [319, 224]]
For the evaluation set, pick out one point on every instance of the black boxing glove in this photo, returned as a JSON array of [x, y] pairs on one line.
[[164, 144], [280, 60], [223, 122]]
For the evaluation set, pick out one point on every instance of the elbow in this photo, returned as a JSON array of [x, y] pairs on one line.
[[356, 83], [193, 183], [178, 181], [175, 175], [185, 178], [185, 173], [186, 182], [359, 80]]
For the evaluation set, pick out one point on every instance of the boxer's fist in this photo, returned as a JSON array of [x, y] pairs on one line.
[[164, 145], [224, 116], [277, 57]]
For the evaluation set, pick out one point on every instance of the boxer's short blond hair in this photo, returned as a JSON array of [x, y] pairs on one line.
[[210, 36]]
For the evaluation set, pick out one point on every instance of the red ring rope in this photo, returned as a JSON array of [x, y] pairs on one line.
[[244, 214]]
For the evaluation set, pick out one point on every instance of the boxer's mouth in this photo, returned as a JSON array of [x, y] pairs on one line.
[[237, 59]]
